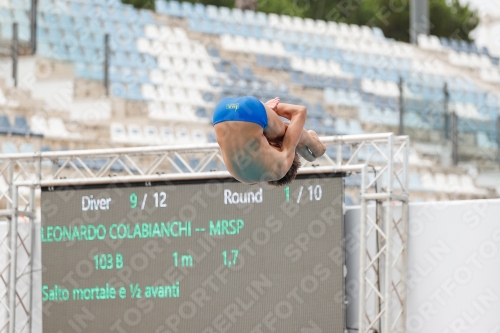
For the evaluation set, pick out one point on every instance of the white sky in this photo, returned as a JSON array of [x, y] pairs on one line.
[[485, 6]]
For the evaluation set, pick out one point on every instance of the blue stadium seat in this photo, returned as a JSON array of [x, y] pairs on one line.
[[49, 20], [6, 16], [130, 14], [26, 148], [94, 56], [187, 9], [234, 71], [24, 32], [44, 50], [60, 52], [483, 141], [20, 4], [87, 39], [119, 59], [247, 73], [149, 61], [21, 127], [117, 15], [174, 8], [6, 30], [208, 97], [268, 33], [127, 75], [54, 35], [142, 76], [9, 148], [5, 127], [118, 90], [201, 112], [146, 16], [76, 54], [109, 27], [41, 35], [76, 8], [484, 50], [21, 16], [81, 70], [137, 30], [161, 6], [95, 72], [135, 60], [66, 22], [133, 92], [199, 10], [114, 74], [316, 111]]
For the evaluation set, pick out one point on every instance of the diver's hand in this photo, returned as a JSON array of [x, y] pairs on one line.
[[273, 103], [316, 146], [305, 153]]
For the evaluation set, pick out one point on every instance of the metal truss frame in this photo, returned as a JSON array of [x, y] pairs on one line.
[[373, 159]]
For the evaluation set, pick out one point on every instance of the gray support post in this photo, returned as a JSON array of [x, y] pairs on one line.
[[388, 272], [13, 261], [419, 19], [446, 112], [33, 236], [106, 64], [401, 107], [404, 232], [33, 24], [362, 254], [454, 137], [15, 52]]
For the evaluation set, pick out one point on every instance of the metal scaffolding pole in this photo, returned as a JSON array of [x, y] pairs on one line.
[[106, 64], [454, 137], [32, 251], [401, 107], [446, 112], [13, 262], [33, 25], [362, 257], [15, 52]]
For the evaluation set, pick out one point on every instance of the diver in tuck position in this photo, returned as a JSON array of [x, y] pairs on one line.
[[257, 146]]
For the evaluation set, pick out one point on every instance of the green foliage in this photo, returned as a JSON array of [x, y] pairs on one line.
[[448, 17], [454, 21], [141, 4]]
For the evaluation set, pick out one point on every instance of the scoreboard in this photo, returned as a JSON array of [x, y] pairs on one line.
[[194, 256]]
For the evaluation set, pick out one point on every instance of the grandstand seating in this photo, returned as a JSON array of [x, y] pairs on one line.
[[146, 57], [169, 69]]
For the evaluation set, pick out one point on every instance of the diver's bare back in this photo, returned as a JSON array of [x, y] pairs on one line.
[[247, 153]]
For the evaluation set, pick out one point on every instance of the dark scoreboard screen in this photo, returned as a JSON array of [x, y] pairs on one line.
[[194, 256]]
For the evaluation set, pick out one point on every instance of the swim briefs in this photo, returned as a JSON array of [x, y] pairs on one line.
[[247, 108]]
